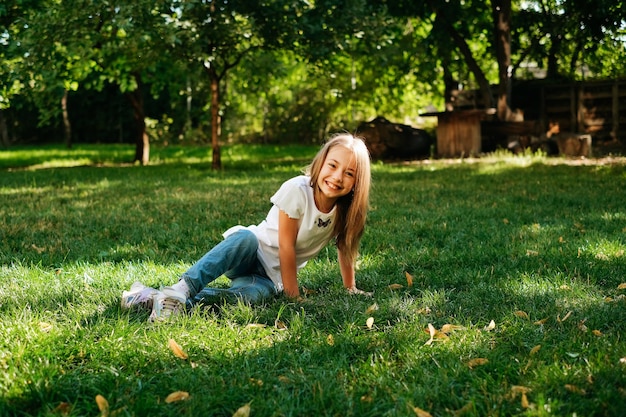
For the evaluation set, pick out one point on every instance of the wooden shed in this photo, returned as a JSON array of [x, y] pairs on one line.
[[459, 132]]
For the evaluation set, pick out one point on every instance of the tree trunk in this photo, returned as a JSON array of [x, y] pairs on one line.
[[465, 50], [67, 126], [216, 122], [4, 131], [501, 14], [142, 141]]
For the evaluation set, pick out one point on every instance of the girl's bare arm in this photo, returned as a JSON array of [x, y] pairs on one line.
[[287, 234]]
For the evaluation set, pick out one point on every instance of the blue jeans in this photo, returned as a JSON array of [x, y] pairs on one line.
[[235, 257]]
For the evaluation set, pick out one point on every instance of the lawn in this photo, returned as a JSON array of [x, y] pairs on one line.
[[498, 290]]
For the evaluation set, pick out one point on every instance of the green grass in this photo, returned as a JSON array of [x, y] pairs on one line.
[[483, 240]]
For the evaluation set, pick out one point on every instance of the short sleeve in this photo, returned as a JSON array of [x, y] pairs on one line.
[[291, 197]]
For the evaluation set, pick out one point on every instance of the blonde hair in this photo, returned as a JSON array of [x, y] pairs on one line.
[[351, 208]]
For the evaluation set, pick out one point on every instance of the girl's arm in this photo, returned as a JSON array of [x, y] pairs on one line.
[[287, 234], [348, 275], [347, 272]]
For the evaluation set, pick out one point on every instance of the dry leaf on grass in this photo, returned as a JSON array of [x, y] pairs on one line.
[[490, 326], [431, 331], [177, 396], [409, 279], [561, 320], [370, 322], [103, 405], [330, 340], [575, 389], [524, 402], [472, 363], [396, 286], [522, 314], [243, 411], [63, 408], [622, 286], [176, 349], [535, 349], [256, 325], [421, 413], [465, 409], [280, 325], [449, 328], [371, 309]]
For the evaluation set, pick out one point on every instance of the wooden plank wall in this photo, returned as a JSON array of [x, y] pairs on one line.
[[594, 107]]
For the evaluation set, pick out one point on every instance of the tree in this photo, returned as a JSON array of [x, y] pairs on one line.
[[91, 44], [216, 35]]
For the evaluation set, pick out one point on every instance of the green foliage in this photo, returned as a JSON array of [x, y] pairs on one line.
[[483, 240]]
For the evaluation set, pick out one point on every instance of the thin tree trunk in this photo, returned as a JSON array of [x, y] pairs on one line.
[[501, 14], [67, 126], [142, 141], [465, 50], [4, 131], [216, 122]]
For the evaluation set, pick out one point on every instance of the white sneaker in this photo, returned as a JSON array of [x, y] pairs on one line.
[[138, 296], [167, 303]]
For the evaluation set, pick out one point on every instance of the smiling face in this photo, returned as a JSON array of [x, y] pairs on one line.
[[336, 178]]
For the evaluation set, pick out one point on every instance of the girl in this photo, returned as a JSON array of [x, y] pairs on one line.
[[329, 202]]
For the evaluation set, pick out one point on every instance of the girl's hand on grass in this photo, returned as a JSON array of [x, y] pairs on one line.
[[355, 291]]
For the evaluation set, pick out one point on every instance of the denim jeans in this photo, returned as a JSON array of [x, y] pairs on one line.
[[236, 258]]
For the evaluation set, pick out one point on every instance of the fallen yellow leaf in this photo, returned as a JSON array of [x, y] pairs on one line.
[[490, 326], [522, 314], [284, 379], [575, 389], [472, 363], [597, 332], [431, 331], [258, 382], [465, 409], [525, 403], [622, 286], [421, 413], [409, 279], [63, 408], [176, 349], [45, 327], [280, 325], [449, 328], [256, 325], [103, 405], [535, 349], [561, 320], [177, 396], [519, 389], [540, 322], [308, 291], [370, 322], [243, 411], [371, 309], [396, 286], [330, 340]]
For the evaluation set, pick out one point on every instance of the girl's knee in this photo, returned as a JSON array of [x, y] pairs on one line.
[[246, 240]]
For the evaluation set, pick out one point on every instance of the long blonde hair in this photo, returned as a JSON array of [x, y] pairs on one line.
[[351, 208]]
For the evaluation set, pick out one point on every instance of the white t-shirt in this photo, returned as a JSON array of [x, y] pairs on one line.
[[295, 198]]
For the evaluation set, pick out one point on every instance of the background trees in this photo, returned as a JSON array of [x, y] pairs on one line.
[[277, 70]]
